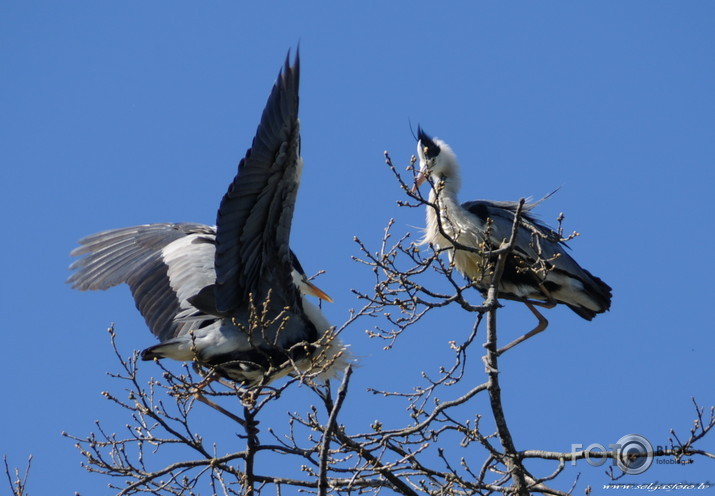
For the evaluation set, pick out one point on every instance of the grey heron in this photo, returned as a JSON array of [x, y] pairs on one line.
[[230, 296], [539, 271]]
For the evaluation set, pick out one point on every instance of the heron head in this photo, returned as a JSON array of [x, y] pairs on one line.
[[436, 158], [300, 279]]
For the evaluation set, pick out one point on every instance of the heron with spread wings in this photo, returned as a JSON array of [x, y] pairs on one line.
[[538, 272], [232, 297]]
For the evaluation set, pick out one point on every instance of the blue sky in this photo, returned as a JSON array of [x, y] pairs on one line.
[[117, 114]]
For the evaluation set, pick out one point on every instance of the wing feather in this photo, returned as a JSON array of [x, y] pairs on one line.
[[163, 264], [585, 293], [254, 219]]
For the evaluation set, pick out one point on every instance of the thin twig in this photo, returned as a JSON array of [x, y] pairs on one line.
[[330, 426]]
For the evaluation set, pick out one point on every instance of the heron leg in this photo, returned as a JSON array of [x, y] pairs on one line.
[[208, 379], [548, 302], [542, 304], [541, 326], [203, 399]]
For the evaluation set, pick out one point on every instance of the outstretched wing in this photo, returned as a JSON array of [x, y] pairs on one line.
[[163, 264], [254, 219]]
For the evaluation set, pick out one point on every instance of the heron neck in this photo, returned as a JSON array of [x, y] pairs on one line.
[[444, 196], [445, 190]]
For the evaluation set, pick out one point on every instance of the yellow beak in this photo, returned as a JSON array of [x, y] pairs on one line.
[[317, 292], [421, 178]]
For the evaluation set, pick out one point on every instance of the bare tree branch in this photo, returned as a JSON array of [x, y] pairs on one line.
[[19, 483], [437, 446]]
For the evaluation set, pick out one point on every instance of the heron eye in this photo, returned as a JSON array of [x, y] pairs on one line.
[[425, 150]]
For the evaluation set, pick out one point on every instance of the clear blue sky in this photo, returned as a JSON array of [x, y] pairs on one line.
[[116, 114]]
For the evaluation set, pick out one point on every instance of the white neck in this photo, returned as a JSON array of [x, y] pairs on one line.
[[448, 187], [444, 196], [445, 175]]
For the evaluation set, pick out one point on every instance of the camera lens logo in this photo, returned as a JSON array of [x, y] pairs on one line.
[[635, 454]]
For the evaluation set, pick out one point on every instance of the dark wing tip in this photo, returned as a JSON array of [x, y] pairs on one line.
[[254, 218], [289, 76]]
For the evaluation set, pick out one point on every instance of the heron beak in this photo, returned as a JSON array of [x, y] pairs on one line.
[[421, 178], [314, 290]]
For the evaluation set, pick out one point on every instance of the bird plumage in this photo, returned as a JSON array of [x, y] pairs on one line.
[[163, 264], [230, 296], [539, 267]]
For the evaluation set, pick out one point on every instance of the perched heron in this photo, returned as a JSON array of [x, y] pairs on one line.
[[231, 296], [539, 271]]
